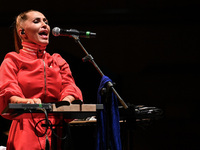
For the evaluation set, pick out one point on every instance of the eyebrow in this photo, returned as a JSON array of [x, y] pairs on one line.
[[40, 18]]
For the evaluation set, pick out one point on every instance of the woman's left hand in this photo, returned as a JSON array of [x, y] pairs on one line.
[[69, 98]]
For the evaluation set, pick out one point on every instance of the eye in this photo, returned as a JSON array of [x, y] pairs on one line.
[[36, 20], [45, 21]]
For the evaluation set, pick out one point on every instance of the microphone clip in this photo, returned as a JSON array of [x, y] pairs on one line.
[[87, 58]]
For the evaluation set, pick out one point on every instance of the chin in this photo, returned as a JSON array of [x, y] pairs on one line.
[[43, 43]]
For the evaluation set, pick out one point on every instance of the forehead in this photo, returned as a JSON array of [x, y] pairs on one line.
[[35, 14]]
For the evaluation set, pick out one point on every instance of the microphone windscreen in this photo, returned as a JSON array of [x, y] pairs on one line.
[[56, 31]]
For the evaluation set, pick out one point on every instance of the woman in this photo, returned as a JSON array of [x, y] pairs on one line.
[[31, 75]]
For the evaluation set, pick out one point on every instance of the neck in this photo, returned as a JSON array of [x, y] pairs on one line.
[[33, 46], [33, 49]]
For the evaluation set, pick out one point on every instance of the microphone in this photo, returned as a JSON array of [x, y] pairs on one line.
[[56, 31]]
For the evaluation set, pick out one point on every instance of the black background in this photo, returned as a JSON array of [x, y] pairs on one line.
[[149, 48]]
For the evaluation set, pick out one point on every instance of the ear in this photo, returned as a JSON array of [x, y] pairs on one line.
[[22, 33]]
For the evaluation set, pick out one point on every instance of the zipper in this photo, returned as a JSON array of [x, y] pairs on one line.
[[45, 85]]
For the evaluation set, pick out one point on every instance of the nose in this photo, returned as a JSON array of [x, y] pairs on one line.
[[44, 25]]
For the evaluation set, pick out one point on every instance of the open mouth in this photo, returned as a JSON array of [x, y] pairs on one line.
[[44, 34]]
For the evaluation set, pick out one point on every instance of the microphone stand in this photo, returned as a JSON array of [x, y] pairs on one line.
[[89, 58]]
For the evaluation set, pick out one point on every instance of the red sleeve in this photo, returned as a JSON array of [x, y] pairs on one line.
[[8, 81], [68, 84]]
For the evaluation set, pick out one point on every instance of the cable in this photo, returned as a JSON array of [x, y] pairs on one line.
[[35, 125], [48, 124], [61, 138], [47, 144], [36, 133]]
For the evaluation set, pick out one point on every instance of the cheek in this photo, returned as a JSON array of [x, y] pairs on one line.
[[33, 36], [32, 31], [49, 28]]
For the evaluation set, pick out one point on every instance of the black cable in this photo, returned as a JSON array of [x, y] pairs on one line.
[[47, 144], [36, 133], [48, 125], [35, 126]]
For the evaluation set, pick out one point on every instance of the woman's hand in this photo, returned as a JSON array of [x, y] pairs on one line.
[[16, 99], [34, 101], [69, 98]]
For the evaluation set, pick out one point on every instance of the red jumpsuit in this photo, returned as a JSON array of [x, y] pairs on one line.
[[33, 73]]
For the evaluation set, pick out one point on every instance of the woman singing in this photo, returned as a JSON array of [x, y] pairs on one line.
[[32, 75]]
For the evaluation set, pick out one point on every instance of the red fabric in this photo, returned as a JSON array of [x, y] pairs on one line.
[[34, 75]]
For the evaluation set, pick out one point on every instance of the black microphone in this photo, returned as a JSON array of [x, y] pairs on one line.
[[56, 31]]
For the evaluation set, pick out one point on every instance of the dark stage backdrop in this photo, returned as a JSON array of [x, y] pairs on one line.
[[149, 48]]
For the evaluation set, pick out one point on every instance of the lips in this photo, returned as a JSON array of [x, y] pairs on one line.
[[44, 34]]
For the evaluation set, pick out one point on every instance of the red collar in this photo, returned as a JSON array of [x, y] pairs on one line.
[[33, 49]]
